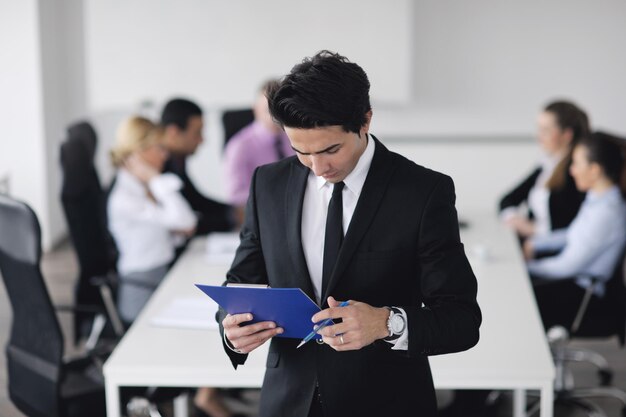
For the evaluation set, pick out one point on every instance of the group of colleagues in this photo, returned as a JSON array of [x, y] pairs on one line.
[[569, 213], [570, 217], [154, 208]]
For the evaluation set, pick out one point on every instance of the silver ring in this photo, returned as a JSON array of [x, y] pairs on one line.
[[341, 338]]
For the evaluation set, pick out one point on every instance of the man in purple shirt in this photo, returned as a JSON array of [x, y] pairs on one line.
[[261, 142]]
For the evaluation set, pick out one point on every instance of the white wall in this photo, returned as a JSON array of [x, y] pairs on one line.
[[42, 86], [221, 51], [492, 64], [22, 150], [479, 69]]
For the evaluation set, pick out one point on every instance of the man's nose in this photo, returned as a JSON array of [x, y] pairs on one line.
[[318, 165]]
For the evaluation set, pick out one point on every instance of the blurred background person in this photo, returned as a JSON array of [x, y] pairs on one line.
[[594, 242], [183, 123], [261, 142], [148, 216], [549, 192]]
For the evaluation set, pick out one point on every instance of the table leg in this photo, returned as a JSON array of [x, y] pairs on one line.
[[112, 391], [181, 408], [547, 400], [519, 402]]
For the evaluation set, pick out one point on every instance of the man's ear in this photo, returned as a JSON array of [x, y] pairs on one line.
[[366, 126], [170, 134]]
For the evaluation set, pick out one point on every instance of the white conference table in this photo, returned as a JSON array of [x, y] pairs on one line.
[[512, 353]]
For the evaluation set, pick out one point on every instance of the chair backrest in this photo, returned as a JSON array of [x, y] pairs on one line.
[[606, 316], [35, 347], [84, 202], [235, 120]]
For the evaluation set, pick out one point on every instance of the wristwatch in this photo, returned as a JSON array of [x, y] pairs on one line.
[[396, 324]]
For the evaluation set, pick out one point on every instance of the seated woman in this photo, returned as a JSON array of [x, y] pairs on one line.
[[593, 244], [149, 218], [549, 192], [147, 214]]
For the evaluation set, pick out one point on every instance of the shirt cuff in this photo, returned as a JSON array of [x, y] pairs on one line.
[[508, 213], [229, 345], [401, 343]]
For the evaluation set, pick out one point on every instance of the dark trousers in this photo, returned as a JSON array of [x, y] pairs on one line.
[[558, 301], [316, 406]]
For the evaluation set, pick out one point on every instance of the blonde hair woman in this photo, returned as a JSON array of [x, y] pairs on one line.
[[148, 217]]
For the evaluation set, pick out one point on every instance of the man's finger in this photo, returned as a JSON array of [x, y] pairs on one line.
[[332, 313], [333, 330], [242, 331], [232, 320], [248, 343]]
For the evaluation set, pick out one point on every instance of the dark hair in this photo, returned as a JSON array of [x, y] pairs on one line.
[[323, 90], [568, 116], [269, 85], [178, 111], [607, 151]]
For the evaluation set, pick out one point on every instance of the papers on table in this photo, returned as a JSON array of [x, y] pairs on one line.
[[221, 248], [187, 313]]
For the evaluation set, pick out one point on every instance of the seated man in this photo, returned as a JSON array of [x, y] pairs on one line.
[[261, 142], [182, 121]]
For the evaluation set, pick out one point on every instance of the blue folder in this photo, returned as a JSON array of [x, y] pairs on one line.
[[289, 308]]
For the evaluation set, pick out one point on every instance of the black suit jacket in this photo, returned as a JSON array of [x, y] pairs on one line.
[[212, 215], [563, 203], [401, 248]]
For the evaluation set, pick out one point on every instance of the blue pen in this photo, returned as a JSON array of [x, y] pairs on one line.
[[320, 327]]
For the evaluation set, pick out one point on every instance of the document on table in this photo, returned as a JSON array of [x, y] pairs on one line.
[[221, 248], [289, 308], [187, 313]]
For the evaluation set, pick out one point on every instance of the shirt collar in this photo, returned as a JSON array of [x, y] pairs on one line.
[[129, 181], [610, 194], [355, 179]]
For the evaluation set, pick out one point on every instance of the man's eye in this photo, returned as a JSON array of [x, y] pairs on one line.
[[332, 151]]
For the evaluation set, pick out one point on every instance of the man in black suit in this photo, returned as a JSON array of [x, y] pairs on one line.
[[346, 219], [183, 124]]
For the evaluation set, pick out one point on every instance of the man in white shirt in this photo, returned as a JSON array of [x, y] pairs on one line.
[[348, 220]]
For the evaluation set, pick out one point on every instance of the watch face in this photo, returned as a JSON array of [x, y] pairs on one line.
[[397, 323]]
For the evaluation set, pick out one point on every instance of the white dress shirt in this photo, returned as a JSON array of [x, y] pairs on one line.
[[314, 212], [538, 199], [142, 228], [539, 196], [591, 245]]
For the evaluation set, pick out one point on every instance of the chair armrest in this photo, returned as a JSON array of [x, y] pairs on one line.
[[63, 308]]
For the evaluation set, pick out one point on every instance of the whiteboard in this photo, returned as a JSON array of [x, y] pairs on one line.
[[219, 52]]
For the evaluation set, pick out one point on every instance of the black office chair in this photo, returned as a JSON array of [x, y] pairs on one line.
[[235, 120], [41, 382], [84, 204], [595, 318]]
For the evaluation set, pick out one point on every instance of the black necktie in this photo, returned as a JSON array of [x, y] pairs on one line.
[[278, 146], [334, 234]]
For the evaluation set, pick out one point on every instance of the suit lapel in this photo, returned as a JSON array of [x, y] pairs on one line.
[[294, 199], [371, 196]]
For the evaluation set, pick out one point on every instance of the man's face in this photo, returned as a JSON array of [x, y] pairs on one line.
[[186, 142], [330, 152]]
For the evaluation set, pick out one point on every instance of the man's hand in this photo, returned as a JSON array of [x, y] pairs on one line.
[[361, 325], [248, 337]]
